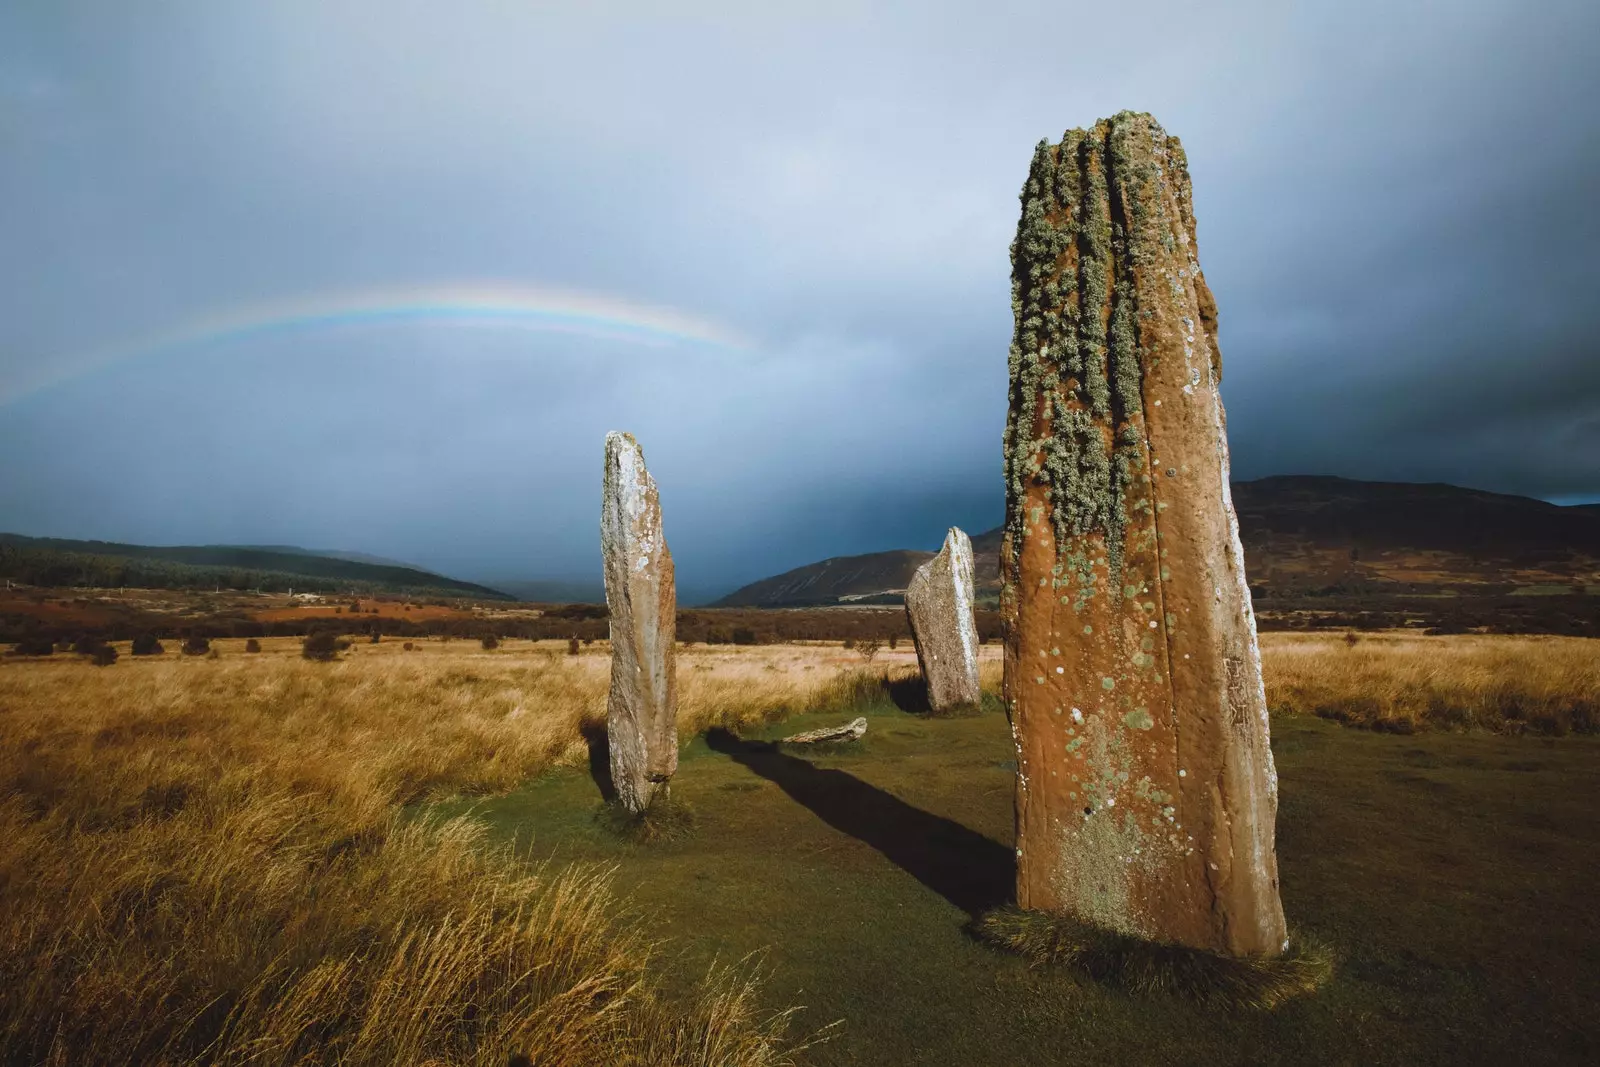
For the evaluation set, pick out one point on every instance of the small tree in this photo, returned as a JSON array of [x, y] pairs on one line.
[[147, 645], [868, 648], [196, 645], [252, 645], [489, 641], [894, 639], [743, 635], [408, 646], [849, 642], [320, 647], [574, 646], [103, 656], [375, 638]]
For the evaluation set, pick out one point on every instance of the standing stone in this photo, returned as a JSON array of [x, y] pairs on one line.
[[642, 709], [1146, 793], [939, 605]]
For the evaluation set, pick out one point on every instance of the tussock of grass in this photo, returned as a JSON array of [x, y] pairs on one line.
[[665, 820], [1400, 683], [1145, 968]]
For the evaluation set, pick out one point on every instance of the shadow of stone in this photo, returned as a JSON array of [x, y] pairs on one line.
[[594, 736], [909, 693], [966, 868]]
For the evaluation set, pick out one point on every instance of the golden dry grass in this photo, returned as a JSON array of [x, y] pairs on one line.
[[210, 860], [206, 860], [1404, 682]]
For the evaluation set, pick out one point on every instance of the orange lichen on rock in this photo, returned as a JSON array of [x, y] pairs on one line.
[[1146, 794]]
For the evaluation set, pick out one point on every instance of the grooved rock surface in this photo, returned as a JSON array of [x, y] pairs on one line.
[[939, 605], [642, 708], [1146, 793]]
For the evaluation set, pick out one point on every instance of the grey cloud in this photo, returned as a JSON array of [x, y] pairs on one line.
[[1396, 208]]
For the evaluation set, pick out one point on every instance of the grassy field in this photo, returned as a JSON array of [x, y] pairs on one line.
[[396, 858]]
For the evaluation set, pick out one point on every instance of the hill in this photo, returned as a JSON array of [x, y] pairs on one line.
[[554, 590], [52, 561], [330, 553], [1303, 535]]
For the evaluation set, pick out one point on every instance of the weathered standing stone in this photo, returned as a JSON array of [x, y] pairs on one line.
[[1146, 794], [642, 709], [939, 605]]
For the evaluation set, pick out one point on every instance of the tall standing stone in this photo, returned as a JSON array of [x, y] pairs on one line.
[[642, 709], [1146, 793], [939, 605]]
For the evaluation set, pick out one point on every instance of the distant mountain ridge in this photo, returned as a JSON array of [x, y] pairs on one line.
[[1302, 534], [55, 561]]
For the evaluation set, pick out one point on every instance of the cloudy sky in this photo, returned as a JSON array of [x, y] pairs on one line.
[[380, 275]]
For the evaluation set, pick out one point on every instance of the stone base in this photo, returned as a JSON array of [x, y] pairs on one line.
[[1149, 967]]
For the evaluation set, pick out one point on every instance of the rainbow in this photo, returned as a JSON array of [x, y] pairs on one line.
[[540, 310]]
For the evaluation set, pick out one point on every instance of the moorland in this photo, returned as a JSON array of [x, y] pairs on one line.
[[399, 856]]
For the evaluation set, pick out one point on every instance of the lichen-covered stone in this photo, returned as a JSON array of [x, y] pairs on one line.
[[642, 708], [939, 605], [1146, 794]]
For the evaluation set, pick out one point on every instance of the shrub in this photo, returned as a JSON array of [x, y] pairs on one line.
[[893, 640], [320, 647], [103, 656], [196, 645], [489, 642], [573, 646], [34, 646], [408, 646], [743, 635], [147, 645], [849, 642], [375, 638], [868, 648], [86, 646], [252, 645]]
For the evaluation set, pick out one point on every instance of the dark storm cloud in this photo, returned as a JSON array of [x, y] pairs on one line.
[[1396, 207]]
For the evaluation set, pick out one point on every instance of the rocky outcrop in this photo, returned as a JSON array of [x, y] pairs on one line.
[[853, 730], [939, 605], [642, 708], [1146, 794]]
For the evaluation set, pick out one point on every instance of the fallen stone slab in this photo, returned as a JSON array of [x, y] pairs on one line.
[[850, 731]]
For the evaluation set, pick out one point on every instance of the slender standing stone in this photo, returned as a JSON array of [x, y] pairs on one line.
[[642, 709], [1146, 793], [939, 605]]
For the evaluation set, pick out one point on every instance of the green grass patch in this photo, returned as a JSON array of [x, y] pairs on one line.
[[1454, 872]]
